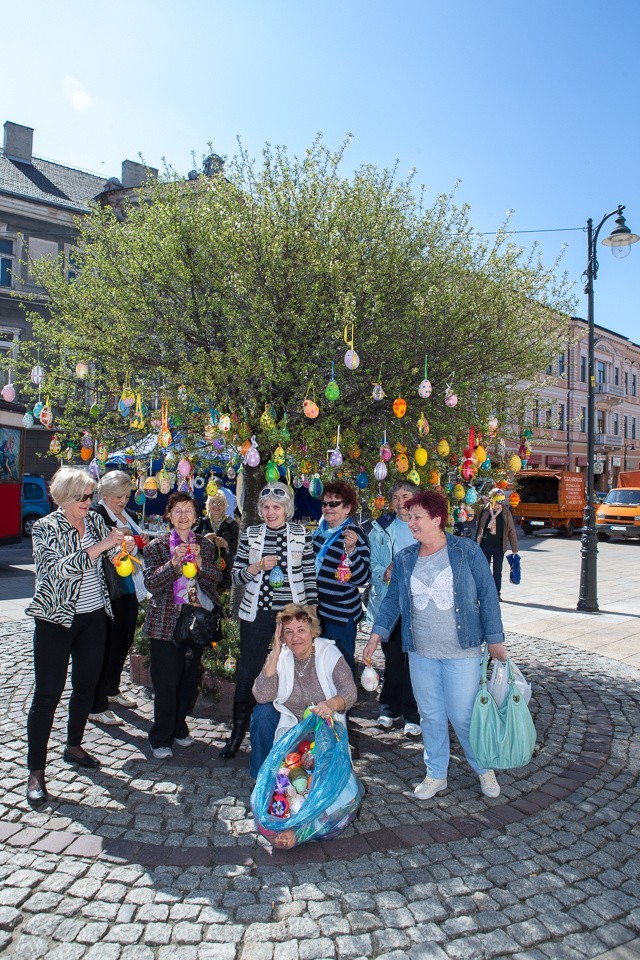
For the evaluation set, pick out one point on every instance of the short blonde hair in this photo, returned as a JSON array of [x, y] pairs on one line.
[[292, 609], [216, 498], [114, 484], [69, 483]]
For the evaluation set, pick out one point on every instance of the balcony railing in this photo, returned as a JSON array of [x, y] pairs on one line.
[[610, 390], [608, 440]]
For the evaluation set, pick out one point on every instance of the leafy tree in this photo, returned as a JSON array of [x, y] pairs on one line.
[[241, 287]]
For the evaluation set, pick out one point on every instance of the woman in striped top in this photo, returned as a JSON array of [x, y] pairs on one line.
[[342, 565], [70, 607], [275, 565]]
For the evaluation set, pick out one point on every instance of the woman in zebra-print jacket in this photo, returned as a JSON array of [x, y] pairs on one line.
[[70, 607]]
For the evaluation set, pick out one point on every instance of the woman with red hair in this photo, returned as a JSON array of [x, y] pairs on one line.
[[443, 590]]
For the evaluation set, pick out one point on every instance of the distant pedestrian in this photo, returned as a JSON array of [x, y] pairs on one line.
[[442, 589], [496, 531], [70, 606], [222, 531]]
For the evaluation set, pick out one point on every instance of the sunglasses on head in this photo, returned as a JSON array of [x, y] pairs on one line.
[[301, 617], [84, 498], [332, 503], [273, 492]]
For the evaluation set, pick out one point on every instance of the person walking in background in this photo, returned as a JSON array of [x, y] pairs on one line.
[[389, 535], [342, 566], [443, 590], [496, 531], [113, 491], [223, 532], [70, 606], [274, 563]]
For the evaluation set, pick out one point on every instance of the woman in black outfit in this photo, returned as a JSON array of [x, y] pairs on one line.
[[222, 531]]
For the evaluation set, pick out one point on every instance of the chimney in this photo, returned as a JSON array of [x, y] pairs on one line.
[[18, 142], [136, 174]]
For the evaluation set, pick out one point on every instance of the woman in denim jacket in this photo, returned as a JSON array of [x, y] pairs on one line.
[[443, 590]]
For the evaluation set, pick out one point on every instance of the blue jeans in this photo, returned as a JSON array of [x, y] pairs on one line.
[[445, 691], [344, 635], [264, 721]]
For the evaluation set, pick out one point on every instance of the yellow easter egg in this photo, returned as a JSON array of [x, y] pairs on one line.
[[421, 456], [189, 570]]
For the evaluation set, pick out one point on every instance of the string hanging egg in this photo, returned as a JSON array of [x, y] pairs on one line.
[[423, 425], [316, 486], [450, 398], [420, 456], [378, 392], [8, 392], [425, 389], [271, 472], [443, 448], [362, 480], [27, 420], [399, 407], [380, 470], [37, 375], [351, 358], [414, 477], [252, 457]]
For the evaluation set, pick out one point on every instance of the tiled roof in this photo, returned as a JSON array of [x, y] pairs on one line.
[[49, 182]]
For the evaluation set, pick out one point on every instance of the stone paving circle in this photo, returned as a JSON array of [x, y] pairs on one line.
[[146, 859]]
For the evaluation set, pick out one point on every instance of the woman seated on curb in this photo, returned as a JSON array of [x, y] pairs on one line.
[[302, 670]]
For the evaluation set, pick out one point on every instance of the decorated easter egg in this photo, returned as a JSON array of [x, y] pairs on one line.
[[224, 423], [291, 761], [279, 806], [423, 425], [308, 760], [414, 477], [86, 454], [332, 390], [335, 458], [351, 360], [515, 463], [433, 478], [467, 470], [514, 499], [420, 456], [276, 577], [425, 389], [402, 463], [480, 453], [27, 420], [54, 446], [385, 452], [362, 480], [124, 567], [212, 487], [189, 569], [316, 486], [95, 469], [310, 408], [271, 472], [471, 495], [252, 459], [399, 407], [184, 467], [229, 665], [369, 679], [378, 392], [459, 491], [38, 408], [492, 424], [150, 488], [443, 448], [46, 416], [37, 375], [380, 470], [8, 392], [379, 502]]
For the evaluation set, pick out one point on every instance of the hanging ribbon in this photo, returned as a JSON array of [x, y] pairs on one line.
[[349, 339]]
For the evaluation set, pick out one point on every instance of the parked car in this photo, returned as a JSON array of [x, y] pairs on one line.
[[619, 515], [36, 502]]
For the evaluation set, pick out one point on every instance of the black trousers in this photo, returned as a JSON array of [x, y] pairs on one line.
[[174, 672], [120, 633], [495, 558], [396, 696], [53, 646], [255, 639]]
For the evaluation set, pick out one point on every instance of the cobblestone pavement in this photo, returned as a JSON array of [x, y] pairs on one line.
[[143, 859]]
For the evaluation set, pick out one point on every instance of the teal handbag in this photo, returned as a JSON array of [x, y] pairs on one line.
[[501, 737]]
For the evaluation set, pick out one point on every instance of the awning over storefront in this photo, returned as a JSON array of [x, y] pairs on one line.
[[534, 461], [553, 460], [581, 461]]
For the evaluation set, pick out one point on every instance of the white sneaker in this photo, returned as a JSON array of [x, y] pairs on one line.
[[123, 700], [184, 741], [412, 730], [386, 722], [489, 785], [107, 717], [162, 753], [429, 787]]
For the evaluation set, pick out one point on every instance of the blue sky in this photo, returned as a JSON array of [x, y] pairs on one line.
[[532, 104]]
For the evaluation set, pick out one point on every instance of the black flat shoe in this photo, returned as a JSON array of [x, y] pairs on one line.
[[88, 762], [37, 794]]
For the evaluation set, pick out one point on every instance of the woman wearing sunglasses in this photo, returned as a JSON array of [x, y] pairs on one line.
[[275, 565], [70, 607], [342, 566], [302, 670]]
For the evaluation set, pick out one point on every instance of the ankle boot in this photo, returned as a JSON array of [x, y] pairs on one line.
[[239, 727]]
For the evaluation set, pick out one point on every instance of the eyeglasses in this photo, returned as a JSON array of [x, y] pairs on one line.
[[301, 617], [84, 497], [273, 492], [332, 503]]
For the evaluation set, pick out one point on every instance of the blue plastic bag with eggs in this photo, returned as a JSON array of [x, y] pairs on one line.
[[333, 797]]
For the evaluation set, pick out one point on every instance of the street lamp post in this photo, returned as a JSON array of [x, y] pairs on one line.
[[620, 242]]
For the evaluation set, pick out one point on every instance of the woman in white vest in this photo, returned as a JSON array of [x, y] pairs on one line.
[[275, 564], [303, 670]]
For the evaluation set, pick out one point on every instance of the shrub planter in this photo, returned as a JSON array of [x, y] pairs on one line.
[[139, 670]]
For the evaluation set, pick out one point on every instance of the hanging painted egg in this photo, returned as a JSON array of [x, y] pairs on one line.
[[87, 441], [399, 407], [362, 480], [459, 491], [425, 389], [267, 420], [127, 397], [94, 410], [450, 398], [443, 449], [492, 424], [102, 452], [69, 454], [229, 665], [86, 454], [279, 455], [246, 446], [252, 459], [123, 409], [276, 577], [467, 470], [420, 456], [310, 408], [46, 416], [385, 452], [54, 446], [423, 425], [527, 434], [231, 473], [185, 467], [514, 499], [471, 496], [332, 391], [515, 463], [37, 375], [316, 486], [212, 487], [402, 463], [150, 488], [8, 392], [95, 470], [343, 570], [480, 454], [164, 481], [369, 679], [433, 478], [378, 392], [379, 502], [189, 569], [82, 370], [140, 497], [335, 458], [486, 464], [38, 408], [224, 423], [351, 360], [271, 472], [27, 420], [414, 477], [380, 470]]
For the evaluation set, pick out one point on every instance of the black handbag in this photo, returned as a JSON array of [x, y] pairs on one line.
[[115, 583], [198, 628]]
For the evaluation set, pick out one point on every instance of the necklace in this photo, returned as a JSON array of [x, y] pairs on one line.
[[300, 673]]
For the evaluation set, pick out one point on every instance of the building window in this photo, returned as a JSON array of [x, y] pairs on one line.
[[601, 376], [583, 419], [6, 262], [634, 385], [561, 366], [599, 421], [8, 352], [536, 413], [626, 428], [561, 417], [633, 428], [583, 369], [616, 376], [548, 416], [615, 424], [626, 382]]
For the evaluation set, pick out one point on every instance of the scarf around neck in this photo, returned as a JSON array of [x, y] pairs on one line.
[[181, 586]]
